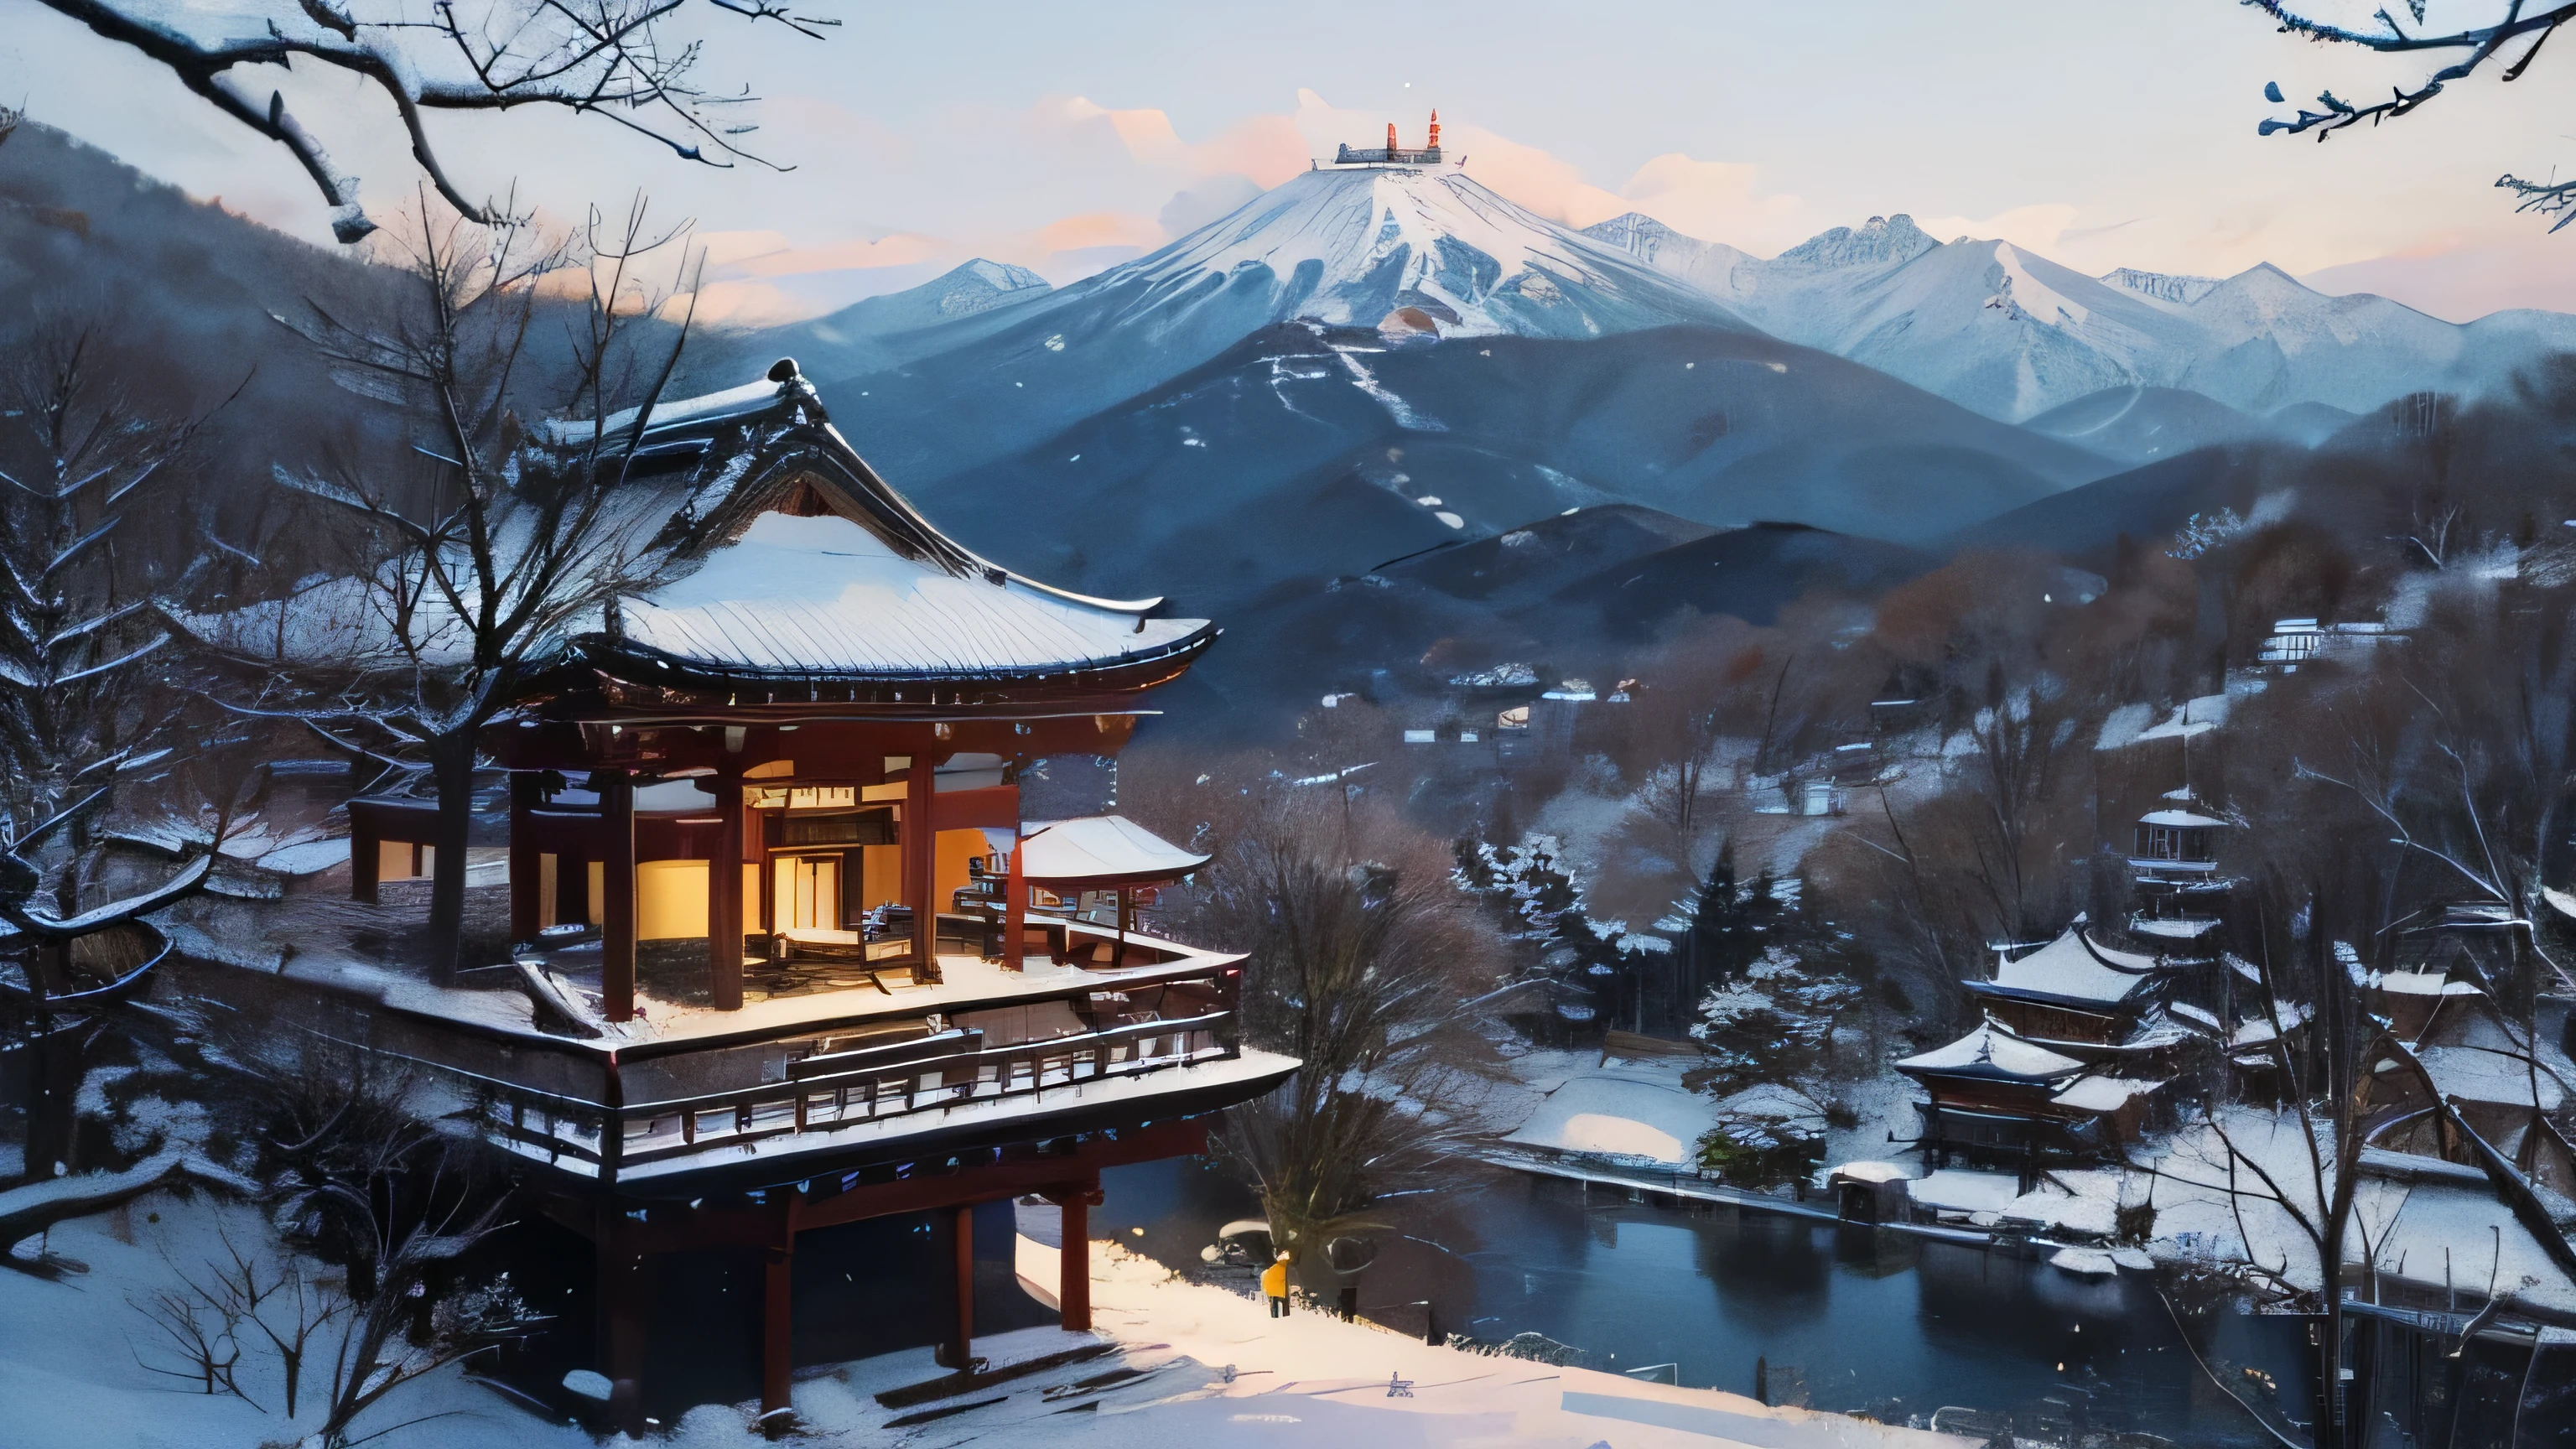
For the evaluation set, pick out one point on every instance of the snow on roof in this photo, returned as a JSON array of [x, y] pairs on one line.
[[1961, 1190], [2189, 1012], [2471, 1223], [2417, 983], [1872, 1172], [2103, 1094], [2477, 1074], [732, 402], [1103, 850], [2175, 928], [1988, 1052], [2185, 819], [1628, 1112], [2255, 1031], [2073, 967], [2091, 1261], [827, 596]]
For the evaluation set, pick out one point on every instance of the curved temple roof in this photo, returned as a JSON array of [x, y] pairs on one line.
[[1101, 851], [1987, 1052], [2073, 968], [817, 597], [772, 554]]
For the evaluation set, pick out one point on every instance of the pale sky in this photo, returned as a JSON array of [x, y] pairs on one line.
[[1067, 137]]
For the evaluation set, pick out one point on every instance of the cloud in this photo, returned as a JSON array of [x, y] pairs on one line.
[[1717, 201], [2041, 228], [2460, 277]]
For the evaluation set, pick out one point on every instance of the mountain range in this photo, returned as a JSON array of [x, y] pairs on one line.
[[1321, 416], [1372, 364], [2000, 329]]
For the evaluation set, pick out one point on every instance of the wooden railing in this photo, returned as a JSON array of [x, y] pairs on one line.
[[823, 1094]]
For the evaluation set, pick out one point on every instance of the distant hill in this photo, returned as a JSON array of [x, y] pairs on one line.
[[182, 289], [1310, 452], [1568, 596], [2153, 501], [2139, 425]]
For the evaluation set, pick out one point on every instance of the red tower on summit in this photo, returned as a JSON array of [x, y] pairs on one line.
[[1394, 153]]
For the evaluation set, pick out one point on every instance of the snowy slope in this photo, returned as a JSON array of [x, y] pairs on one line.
[[1709, 266], [1339, 248], [1346, 247], [1998, 328]]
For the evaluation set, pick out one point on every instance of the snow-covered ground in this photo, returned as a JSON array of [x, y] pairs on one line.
[[1625, 1109], [1209, 1367]]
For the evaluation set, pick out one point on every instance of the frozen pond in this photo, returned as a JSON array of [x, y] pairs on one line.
[[1856, 1318]]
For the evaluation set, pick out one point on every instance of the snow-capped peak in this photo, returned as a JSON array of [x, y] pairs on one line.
[[1880, 240], [996, 277], [1349, 246], [1709, 266]]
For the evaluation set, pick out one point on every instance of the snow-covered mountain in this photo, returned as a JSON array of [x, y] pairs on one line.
[[1709, 266], [1417, 252], [2005, 331], [1347, 247]]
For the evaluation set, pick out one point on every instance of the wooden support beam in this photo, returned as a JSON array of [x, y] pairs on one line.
[[625, 1295], [1073, 1257], [921, 857], [617, 910], [960, 1351], [777, 1358], [724, 892], [366, 856], [1015, 908], [524, 865]]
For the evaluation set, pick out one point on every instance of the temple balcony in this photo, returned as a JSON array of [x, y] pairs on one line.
[[831, 1069]]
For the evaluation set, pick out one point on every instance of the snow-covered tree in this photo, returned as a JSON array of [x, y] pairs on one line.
[[476, 564], [1773, 1022], [631, 62], [1767, 1031], [1728, 922], [88, 712]]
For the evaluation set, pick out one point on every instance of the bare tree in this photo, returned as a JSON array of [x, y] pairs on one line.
[[626, 61], [2511, 37], [209, 1318], [88, 711], [1360, 944], [506, 538]]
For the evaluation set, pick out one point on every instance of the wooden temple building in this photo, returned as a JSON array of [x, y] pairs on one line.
[[787, 955]]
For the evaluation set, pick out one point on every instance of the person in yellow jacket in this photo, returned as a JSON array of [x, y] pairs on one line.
[[1274, 1285]]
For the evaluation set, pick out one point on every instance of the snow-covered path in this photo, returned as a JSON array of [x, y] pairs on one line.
[[69, 1378]]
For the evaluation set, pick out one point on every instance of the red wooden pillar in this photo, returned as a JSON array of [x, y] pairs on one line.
[[724, 893], [777, 1316], [625, 1299], [617, 888], [1073, 1260], [958, 1352], [921, 858], [1015, 908], [524, 865]]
